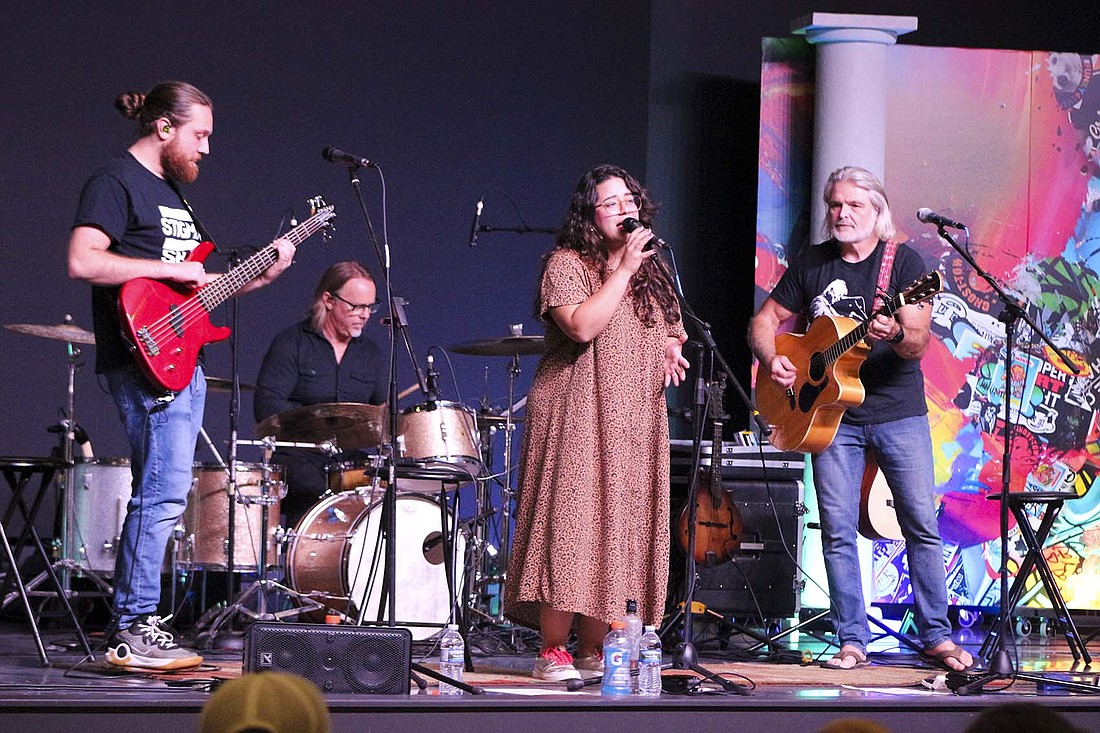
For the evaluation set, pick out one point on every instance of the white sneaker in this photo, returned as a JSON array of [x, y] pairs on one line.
[[555, 665], [589, 667]]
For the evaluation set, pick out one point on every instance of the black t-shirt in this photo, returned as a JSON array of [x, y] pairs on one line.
[[145, 218], [820, 282], [300, 369]]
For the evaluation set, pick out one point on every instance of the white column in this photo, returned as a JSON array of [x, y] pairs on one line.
[[849, 93]]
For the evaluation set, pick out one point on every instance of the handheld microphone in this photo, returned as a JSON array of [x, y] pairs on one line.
[[630, 224], [338, 156], [930, 217], [475, 228]]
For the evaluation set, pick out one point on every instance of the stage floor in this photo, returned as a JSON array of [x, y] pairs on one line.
[[783, 694]]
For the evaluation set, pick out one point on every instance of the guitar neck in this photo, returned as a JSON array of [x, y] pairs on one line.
[[857, 334], [225, 287]]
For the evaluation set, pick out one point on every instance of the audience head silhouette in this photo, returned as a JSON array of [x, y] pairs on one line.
[[266, 702]]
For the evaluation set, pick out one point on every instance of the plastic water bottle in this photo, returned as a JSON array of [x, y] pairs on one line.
[[633, 629], [616, 662], [649, 663], [452, 659]]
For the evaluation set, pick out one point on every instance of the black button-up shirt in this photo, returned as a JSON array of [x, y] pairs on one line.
[[300, 368]]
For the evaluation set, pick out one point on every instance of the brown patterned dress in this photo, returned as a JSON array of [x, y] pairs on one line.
[[592, 521]]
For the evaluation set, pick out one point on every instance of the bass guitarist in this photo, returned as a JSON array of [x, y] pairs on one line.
[[840, 277], [131, 223]]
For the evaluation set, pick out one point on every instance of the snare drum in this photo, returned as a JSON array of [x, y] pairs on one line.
[[330, 552], [100, 492], [443, 432], [206, 521]]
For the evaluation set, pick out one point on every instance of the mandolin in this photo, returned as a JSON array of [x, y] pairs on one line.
[[718, 523]]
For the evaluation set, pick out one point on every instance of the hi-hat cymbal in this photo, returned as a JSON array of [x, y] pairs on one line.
[[61, 332], [218, 384], [352, 425], [504, 346]]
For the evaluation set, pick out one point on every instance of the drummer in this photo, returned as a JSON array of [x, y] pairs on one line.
[[323, 358]]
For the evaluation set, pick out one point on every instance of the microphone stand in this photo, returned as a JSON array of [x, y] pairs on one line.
[[684, 656], [388, 523], [523, 229], [1000, 665]]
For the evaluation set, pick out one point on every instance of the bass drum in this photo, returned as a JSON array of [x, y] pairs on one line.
[[330, 559], [100, 492], [205, 543]]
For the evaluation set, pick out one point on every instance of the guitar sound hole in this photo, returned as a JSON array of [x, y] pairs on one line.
[[817, 368]]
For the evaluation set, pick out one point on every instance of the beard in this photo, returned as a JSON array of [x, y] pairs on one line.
[[178, 165], [850, 235]]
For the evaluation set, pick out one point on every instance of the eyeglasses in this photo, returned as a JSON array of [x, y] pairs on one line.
[[367, 308], [619, 205]]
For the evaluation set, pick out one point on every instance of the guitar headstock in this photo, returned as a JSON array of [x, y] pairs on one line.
[[325, 213], [922, 288]]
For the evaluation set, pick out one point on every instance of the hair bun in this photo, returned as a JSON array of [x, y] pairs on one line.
[[130, 104]]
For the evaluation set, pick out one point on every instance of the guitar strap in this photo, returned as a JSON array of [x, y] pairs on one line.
[[883, 275], [194, 217]]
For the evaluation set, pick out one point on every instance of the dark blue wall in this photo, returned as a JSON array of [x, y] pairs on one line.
[[510, 100]]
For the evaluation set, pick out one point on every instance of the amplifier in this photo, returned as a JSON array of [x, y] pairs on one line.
[[761, 579], [749, 462]]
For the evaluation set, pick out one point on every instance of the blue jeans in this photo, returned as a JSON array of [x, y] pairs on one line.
[[162, 439], [903, 449]]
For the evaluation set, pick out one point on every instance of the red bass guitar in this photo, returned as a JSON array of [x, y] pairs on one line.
[[167, 323]]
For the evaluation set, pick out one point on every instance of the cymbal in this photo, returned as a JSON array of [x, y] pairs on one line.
[[218, 384], [352, 425], [504, 346], [61, 332]]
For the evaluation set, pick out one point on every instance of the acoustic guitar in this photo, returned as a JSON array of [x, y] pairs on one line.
[[168, 323], [827, 359], [877, 518]]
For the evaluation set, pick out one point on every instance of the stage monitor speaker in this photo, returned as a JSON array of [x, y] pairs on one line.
[[762, 578], [345, 659]]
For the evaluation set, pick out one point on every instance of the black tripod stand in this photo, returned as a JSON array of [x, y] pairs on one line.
[[999, 663]]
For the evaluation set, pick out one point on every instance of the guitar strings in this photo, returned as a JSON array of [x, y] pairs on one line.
[[223, 287]]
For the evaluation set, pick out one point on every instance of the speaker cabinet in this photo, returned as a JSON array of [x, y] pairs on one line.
[[345, 659], [760, 581]]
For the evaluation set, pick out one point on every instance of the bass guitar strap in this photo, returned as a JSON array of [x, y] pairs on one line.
[[194, 217]]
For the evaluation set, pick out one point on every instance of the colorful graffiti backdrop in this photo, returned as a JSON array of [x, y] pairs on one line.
[[1005, 141]]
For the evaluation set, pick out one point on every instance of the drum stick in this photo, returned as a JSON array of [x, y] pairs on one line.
[[407, 391]]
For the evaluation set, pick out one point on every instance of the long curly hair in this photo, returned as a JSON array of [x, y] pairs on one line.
[[648, 286]]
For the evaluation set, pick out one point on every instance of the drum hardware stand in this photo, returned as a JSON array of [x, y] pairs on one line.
[[68, 429], [262, 585], [1000, 665]]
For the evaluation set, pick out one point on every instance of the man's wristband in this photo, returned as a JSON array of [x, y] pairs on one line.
[[899, 337]]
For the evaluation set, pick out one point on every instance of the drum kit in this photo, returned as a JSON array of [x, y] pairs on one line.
[[330, 559]]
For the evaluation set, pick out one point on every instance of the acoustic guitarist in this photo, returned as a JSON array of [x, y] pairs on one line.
[[840, 277], [131, 223]]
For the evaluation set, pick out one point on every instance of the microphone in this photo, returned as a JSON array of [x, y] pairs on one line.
[[930, 217], [475, 228], [432, 383], [630, 224], [336, 155]]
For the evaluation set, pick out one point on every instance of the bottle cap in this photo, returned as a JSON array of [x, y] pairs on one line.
[[453, 626], [332, 619], [631, 606], [618, 625]]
